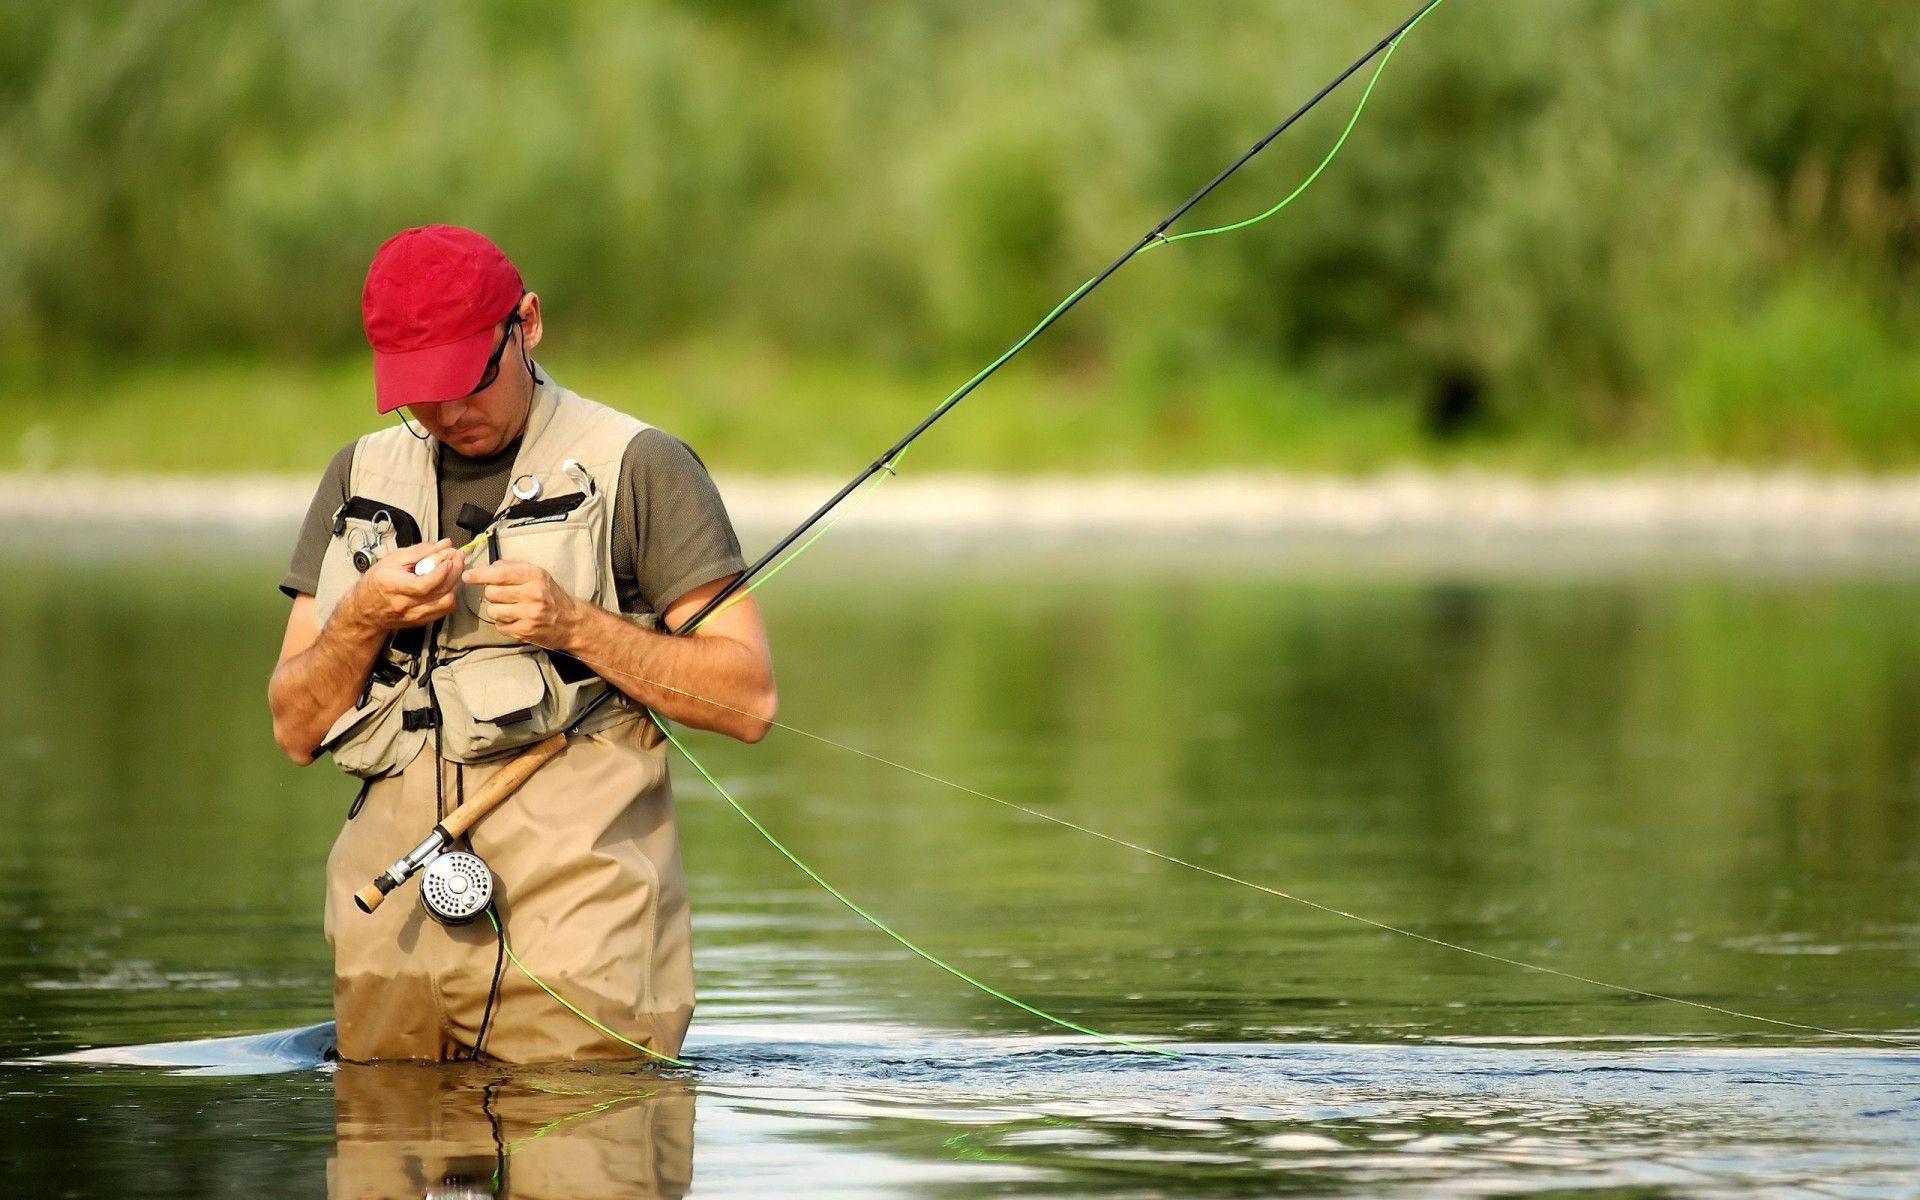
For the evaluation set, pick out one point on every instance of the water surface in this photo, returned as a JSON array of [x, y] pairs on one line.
[[1695, 781]]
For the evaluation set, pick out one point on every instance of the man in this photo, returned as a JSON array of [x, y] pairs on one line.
[[593, 532]]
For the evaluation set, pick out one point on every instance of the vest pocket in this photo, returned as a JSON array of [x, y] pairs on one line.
[[564, 544], [491, 701], [372, 739], [500, 698]]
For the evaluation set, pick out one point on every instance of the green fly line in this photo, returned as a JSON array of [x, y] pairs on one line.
[[882, 926], [1169, 238], [563, 1002], [886, 469], [1202, 868]]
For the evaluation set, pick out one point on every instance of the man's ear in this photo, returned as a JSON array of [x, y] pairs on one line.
[[530, 319]]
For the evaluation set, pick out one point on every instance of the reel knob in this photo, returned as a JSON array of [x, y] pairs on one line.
[[456, 887]]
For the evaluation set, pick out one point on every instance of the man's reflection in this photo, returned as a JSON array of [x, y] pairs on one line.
[[528, 1133]]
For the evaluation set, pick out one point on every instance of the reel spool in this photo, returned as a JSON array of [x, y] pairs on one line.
[[456, 887]]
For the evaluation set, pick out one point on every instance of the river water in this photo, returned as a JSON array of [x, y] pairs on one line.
[[1699, 780]]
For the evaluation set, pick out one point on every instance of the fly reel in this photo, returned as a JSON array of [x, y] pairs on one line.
[[456, 887]]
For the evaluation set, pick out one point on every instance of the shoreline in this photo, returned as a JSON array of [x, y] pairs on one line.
[[1408, 523], [1404, 501]]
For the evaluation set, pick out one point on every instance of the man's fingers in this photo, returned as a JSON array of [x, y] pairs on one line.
[[505, 593], [434, 582], [507, 570], [406, 556]]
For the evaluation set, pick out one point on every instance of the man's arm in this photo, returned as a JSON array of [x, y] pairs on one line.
[[322, 670], [725, 661]]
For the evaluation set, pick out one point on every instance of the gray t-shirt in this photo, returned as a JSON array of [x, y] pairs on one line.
[[671, 532]]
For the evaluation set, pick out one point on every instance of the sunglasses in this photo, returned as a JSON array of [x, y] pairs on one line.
[[492, 371]]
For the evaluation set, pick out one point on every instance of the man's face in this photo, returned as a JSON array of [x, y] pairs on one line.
[[482, 424]]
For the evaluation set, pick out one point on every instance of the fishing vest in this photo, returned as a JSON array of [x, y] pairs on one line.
[[482, 693]]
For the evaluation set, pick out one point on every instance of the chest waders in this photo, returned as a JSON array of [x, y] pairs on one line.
[[585, 860]]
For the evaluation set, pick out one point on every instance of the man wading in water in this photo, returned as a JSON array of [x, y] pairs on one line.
[[600, 529]]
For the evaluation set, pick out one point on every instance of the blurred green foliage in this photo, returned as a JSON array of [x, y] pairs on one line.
[[1624, 228]]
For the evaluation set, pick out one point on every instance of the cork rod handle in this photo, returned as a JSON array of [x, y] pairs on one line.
[[501, 784], [369, 897]]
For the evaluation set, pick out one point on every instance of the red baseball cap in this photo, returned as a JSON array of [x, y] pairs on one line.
[[432, 299]]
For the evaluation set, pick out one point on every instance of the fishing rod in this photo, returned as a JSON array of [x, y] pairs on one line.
[[1152, 237], [458, 886]]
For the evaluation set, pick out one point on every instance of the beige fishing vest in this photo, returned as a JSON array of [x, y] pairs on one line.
[[492, 694]]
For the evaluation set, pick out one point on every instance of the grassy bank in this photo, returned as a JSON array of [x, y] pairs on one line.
[[743, 409], [1805, 383]]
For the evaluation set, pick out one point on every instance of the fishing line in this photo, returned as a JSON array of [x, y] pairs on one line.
[[752, 578], [772, 562], [1154, 236], [1202, 868], [566, 1004], [882, 926]]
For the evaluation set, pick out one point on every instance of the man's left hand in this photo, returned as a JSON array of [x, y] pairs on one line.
[[526, 604]]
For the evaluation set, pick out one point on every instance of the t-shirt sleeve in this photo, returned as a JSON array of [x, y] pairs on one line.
[[671, 529], [303, 573]]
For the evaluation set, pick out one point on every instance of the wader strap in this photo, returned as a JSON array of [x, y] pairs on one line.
[[359, 801]]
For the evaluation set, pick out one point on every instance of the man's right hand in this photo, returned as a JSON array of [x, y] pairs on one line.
[[390, 596]]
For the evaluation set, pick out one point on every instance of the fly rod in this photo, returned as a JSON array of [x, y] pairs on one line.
[[1158, 232]]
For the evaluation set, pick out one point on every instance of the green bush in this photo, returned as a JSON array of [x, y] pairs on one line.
[[1545, 226]]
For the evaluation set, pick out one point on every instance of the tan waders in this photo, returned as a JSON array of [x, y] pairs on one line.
[[592, 897], [585, 855]]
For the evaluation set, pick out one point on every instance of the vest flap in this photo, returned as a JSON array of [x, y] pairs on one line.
[[501, 687]]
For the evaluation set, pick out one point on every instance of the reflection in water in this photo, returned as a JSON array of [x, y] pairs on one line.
[[875, 1114], [457, 1132]]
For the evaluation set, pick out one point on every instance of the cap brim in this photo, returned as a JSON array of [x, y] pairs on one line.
[[429, 376]]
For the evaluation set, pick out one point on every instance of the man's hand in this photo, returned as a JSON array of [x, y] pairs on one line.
[[390, 596], [526, 604]]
